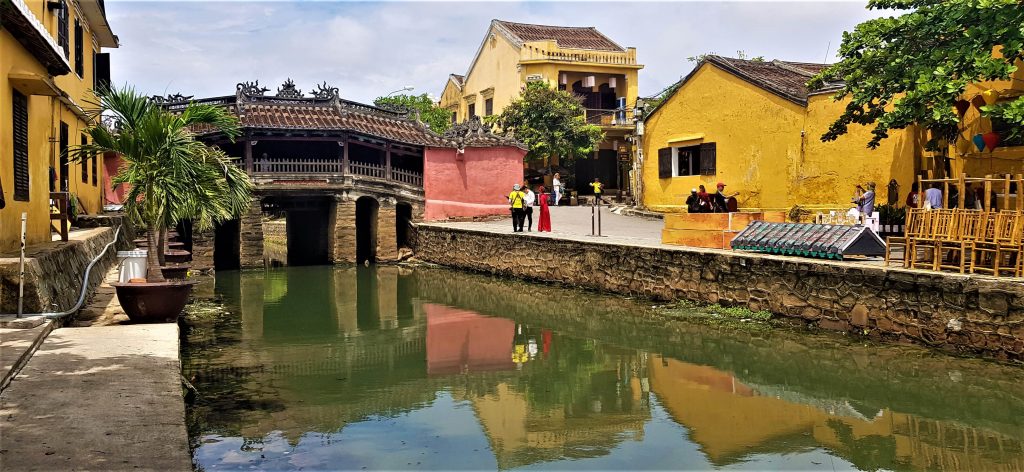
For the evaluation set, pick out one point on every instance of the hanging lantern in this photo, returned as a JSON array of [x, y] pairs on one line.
[[990, 96], [978, 101], [991, 140], [979, 141], [961, 107]]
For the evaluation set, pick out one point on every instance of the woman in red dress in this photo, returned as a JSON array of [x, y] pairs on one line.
[[545, 214]]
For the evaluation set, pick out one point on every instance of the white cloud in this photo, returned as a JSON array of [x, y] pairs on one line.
[[370, 49]]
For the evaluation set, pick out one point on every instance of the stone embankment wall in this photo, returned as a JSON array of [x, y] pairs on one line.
[[969, 313], [53, 271]]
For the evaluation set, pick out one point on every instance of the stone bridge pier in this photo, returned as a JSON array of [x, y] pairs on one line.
[[310, 228]]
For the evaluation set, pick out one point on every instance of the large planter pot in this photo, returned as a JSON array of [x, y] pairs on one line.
[[153, 302], [175, 271], [177, 256]]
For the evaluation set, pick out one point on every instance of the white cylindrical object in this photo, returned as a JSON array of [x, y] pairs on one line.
[[611, 82], [133, 265], [21, 266]]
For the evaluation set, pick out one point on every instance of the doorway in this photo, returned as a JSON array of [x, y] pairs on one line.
[[366, 229]]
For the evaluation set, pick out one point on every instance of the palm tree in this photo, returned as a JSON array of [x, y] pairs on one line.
[[172, 176]]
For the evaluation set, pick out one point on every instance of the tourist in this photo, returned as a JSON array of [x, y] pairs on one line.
[[556, 187], [970, 197], [933, 197], [913, 198], [705, 199], [719, 201], [866, 203], [598, 187], [544, 221], [530, 200], [953, 199], [693, 202], [516, 201]]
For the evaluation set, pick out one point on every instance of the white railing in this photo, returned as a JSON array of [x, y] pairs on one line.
[[334, 166], [367, 169], [407, 177]]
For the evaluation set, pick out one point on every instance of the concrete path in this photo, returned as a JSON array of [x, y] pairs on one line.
[[97, 398], [16, 347]]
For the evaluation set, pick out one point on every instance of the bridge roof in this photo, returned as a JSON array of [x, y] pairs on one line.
[[325, 112]]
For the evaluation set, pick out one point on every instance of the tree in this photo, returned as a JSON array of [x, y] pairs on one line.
[[549, 122], [437, 118], [172, 176], [910, 69]]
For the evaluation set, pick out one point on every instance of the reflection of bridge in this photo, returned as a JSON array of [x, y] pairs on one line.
[[348, 177]]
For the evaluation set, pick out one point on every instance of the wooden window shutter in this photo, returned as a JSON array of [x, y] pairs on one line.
[[708, 159], [62, 28], [19, 103], [95, 171], [85, 163], [665, 163]]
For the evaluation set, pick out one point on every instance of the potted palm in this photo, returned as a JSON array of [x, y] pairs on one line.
[[171, 178]]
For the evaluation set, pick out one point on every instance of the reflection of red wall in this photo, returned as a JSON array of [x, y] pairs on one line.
[[111, 166], [471, 184], [457, 338]]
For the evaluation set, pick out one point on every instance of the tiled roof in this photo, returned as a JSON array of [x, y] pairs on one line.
[[459, 79], [783, 78], [574, 37]]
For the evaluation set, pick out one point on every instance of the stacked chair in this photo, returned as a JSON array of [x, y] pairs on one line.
[[961, 240]]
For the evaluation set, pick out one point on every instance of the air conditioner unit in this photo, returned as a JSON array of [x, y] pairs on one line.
[[534, 78]]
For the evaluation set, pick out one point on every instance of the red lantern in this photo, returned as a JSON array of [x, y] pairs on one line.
[[961, 107], [991, 140]]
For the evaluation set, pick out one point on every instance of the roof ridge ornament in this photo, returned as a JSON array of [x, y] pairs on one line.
[[288, 90], [170, 98], [325, 92], [251, 89]]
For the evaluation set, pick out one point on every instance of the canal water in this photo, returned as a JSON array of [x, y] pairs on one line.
[[322, 368]]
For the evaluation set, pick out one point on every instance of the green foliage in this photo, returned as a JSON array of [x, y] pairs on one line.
[[437, 118], [891, 214], [549, 122], [172, 176], [910, 69], [1011, 112]]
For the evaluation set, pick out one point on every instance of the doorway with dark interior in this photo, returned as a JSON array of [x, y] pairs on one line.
[[366, 230], [227, 246], [403, 225]]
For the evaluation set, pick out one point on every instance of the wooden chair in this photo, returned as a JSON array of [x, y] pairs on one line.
[[954, 253], [911, 226], [1008, 245], [940, 228], [985, 253]]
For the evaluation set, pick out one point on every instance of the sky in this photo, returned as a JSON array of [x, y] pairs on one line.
[[369, 49]]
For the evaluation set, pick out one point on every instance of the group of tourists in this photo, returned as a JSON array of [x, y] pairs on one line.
[[522, 200], [933, 197], [700, 201]]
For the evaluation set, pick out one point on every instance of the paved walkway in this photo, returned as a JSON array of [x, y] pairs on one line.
[[102, 396]]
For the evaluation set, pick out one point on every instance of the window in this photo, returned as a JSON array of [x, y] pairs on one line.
[[455, 117], [489, 107], [472, 110], [64, 171], [95, 171], [79, 50], [101, 71], [62, 27], [85, 163], [19, 104], [687, 160]]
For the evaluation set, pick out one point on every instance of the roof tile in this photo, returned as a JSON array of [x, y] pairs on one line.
[[574, 37]]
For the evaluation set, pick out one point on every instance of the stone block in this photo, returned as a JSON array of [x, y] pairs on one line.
[[834, 325], [859, 315]]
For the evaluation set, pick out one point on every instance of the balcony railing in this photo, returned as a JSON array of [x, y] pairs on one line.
[[335, 167], [603, 117], [549, 51]]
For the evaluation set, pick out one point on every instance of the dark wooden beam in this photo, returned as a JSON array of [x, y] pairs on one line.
[[248, 155], [299, 138], [344, 156], [387, 162]]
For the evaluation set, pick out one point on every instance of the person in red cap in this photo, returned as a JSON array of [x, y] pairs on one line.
[[719, 200]]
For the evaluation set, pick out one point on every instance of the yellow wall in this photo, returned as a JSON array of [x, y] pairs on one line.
[[965, 156], [761, 152], [45, 115]]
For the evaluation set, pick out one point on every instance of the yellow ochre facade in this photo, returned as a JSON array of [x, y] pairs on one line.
[[760, 131], [1008, 156], [48, 55], [580, 60]]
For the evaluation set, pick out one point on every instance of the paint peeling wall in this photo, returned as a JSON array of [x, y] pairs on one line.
[[471, 184]]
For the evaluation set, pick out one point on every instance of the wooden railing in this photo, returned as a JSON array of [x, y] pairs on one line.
[[298, 166], [59, 210], [367, 169], [407, 177]]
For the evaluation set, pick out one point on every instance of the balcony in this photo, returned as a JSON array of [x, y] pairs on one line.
[[611, 118], [548, 51], [332, 167]]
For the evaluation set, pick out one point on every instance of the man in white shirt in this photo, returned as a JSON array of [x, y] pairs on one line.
[[531, 199], [933, 196]]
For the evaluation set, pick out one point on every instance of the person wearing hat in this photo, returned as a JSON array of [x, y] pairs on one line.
[[866, 201], [719, 201], [693, 202], [517, 203]]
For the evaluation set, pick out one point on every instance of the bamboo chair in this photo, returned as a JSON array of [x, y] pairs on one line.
[[911, 229], [940, 228], [1008, 245], [985, 253], [970, 227]]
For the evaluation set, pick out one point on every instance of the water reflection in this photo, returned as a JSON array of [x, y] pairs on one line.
[[392, 368]]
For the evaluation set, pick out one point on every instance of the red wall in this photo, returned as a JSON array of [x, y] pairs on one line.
[[472, 184], [111, 166]]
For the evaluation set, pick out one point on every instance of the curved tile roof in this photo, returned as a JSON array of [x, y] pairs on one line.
[[575, 37]]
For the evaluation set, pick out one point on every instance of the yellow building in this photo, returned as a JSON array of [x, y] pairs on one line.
[[575, 59], [1008, 155], [754, 126], [50, 61]]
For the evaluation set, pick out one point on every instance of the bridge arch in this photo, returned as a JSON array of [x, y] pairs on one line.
[[367, 209]]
